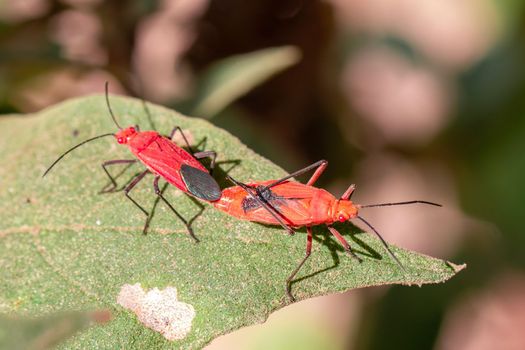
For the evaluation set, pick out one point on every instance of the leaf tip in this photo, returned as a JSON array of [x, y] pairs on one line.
[[457, 268]]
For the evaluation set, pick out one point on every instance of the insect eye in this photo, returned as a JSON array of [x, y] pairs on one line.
[[120, 140], [342, 218]]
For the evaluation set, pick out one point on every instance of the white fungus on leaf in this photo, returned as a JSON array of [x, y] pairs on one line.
[[158, 309]]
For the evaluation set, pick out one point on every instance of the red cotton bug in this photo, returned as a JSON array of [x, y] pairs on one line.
[[292, 204], [163, 158]]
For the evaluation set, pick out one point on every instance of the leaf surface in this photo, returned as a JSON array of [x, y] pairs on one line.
[[63, 246], [47, 331]]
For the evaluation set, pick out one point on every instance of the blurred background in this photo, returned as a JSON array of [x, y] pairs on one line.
[[408, 99]]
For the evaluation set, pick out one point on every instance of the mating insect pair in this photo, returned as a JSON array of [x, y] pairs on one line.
[[276, 202]]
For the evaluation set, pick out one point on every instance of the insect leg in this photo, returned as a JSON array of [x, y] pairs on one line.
[[207, 154], [344, 243], [273, 212], [172, 133], [152, 211], [111, 178], [320, 165], [301, 263], [159, 193], [348, 193], [132, 184]]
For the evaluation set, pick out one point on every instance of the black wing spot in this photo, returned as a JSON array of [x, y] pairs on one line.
[[200, 183], [249, 203], [267, 195]]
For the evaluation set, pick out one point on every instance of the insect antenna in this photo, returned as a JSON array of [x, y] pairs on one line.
[[145, 106], [73, 148], [109, 107], [382, 241], [148, 113], [399, 203]]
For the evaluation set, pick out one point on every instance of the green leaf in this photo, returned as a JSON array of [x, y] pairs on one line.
[[232, 77], [47, 331], [64, 246]]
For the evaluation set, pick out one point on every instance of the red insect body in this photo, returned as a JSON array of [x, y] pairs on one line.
[[164, 159], [299, 205], [159, 154], [293, 204]]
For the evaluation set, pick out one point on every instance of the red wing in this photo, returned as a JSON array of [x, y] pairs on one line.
[[293, 212], [294, 189], [288, 189], [291, 201], [165, 158]]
